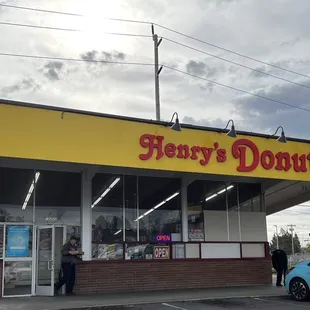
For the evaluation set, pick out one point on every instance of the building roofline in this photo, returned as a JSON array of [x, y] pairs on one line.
[[138, 120]]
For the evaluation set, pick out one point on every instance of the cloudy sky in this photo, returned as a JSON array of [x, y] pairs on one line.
[[275, 32]]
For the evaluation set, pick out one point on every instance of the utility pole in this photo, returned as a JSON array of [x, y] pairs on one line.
[[277, 236], [291, 229], [157, 71]]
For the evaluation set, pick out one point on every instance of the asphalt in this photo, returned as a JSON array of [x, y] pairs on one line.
[[268, 303], [224, 298]]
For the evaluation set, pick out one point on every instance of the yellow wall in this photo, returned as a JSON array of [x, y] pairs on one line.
[[43, 134]]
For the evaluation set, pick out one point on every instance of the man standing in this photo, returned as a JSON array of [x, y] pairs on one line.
[[71, 254], [279, 263]]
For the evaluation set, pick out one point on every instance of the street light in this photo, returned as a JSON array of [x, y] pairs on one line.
[[291, 229], [277, 236]]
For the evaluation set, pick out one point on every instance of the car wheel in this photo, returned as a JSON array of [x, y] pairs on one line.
[[299, 289]]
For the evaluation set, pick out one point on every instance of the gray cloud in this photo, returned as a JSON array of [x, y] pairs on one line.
[[268, 115], [291, 42], [114, 56], [201, 69], [89, 56], [25, 84], [103, 56], [52, 70], [218, 123]]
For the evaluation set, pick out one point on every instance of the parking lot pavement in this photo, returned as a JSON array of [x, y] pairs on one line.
[[270, 303]]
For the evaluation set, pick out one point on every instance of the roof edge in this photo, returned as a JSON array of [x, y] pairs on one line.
[[139, 120]]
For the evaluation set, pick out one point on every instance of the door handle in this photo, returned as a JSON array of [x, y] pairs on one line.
[[50, 265]]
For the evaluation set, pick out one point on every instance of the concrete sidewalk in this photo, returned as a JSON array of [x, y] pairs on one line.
[[99, 301]]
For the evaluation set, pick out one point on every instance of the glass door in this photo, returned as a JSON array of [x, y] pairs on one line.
[[45, 278]]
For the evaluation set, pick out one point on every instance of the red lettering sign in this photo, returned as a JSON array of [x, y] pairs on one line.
[[163, 238], [249, 157], [161, 252]]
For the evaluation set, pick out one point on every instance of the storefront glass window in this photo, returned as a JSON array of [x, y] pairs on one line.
[[58, 198], [17, 278], [252, 213], [16, 194], [195, 202], [131, 207], [159, 208], [112, 251], [1, 240], [107, 215], [233, 214], [215, 211]]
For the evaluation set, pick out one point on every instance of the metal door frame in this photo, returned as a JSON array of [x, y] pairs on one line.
[[45, 290]]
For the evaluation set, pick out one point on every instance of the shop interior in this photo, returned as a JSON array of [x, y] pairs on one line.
[[128, 212]]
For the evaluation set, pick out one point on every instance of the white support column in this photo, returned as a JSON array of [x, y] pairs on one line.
[[184, 184], [86, 214]]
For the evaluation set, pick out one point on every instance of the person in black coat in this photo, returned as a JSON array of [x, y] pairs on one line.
[[279, 263]]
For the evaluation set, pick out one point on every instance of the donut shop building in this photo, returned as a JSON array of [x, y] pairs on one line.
[[155, 207]]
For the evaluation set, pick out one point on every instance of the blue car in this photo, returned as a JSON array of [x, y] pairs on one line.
[[297, 281]]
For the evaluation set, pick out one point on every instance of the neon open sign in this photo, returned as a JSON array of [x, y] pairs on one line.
[[162, 238]]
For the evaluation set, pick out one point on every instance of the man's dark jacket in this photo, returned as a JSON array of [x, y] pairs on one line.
[[66, 256], [279, 260]]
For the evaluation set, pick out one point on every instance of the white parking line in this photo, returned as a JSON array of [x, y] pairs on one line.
[[280, 302], [172, 306]]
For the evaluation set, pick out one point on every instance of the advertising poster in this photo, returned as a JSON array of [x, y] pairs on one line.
[[195, 235], [18, 241]]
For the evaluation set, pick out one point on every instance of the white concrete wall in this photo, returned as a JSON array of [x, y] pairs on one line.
[[253, 226]]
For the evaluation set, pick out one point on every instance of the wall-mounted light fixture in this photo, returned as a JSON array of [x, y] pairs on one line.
[[282, 137], [232, 132], [176, 125]]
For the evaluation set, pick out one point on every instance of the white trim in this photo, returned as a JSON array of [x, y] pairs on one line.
[[18, 259], [34, 261], [3, 262], [12, 296]]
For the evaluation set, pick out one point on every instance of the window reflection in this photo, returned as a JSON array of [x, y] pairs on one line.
[[16, 194], [1, 240], [159, 208], [107, 208], [131, 207], [17, 278], [58, 197], [108, 251]]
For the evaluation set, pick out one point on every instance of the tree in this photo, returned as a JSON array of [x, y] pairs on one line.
[[285, 242]]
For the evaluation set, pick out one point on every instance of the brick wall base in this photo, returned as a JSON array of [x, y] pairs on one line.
[[101, 276]]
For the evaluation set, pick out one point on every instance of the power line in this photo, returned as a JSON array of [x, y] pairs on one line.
[[235, 63], [230, 51], [238, 89], [151, 64], [162, 27], [72, 30], [169, 40], [39, 10], [76, 59], [73, 14]]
